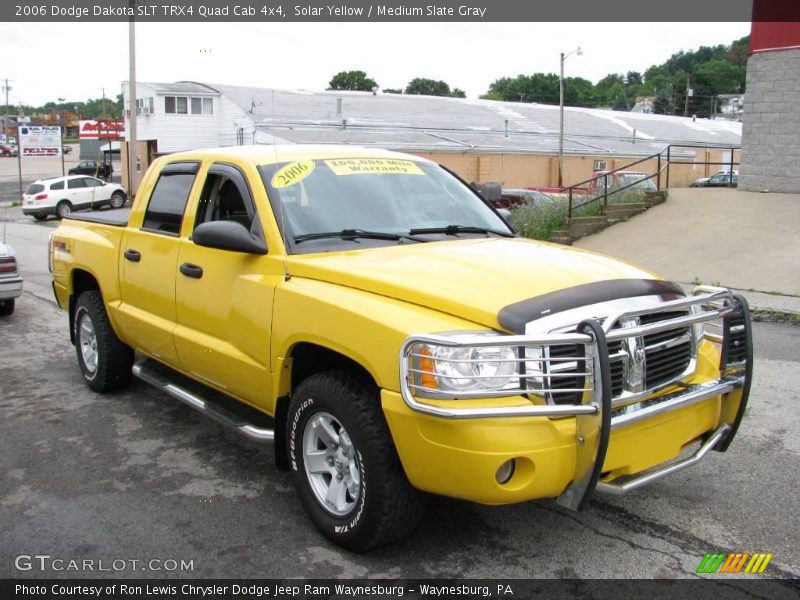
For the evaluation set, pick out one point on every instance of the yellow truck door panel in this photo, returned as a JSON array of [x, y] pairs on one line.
[[224, 318], [224, 297], [148, 263], [148, 267]]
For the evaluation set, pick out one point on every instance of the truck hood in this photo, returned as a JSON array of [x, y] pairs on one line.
[[471, 278]]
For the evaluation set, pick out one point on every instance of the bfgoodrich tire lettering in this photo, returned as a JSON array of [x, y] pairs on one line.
[[372, 502], [104, 360]]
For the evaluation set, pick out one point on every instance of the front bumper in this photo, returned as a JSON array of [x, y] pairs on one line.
[[569, 451]]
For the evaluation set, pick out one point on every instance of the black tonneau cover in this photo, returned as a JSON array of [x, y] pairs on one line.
[[115, 218]]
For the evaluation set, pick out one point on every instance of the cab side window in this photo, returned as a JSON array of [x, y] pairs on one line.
[[225, 197], [164, 212]]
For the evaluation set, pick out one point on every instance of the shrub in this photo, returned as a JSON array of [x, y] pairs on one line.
[[538, 221]]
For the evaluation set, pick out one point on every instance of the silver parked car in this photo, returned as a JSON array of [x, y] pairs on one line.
[[10, 279]]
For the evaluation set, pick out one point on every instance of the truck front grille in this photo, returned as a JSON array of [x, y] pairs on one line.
[[668, 353], [665, 356]]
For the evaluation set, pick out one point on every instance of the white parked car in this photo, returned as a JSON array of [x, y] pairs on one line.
[[62, 195], [10, 280]]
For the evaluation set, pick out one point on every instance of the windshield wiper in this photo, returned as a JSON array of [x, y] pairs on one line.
[[351, 234], [456, 229]]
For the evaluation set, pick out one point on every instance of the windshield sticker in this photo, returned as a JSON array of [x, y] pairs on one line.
[[366, 166], [292, 173]]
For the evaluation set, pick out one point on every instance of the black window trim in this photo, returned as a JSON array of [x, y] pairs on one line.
[[183, 167], [235, 174]]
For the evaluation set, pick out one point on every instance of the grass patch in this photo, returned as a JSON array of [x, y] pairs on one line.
[[627, 197], [774, 316], [539, 221]]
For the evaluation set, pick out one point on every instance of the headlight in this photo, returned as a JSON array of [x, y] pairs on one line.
[[465, 368]]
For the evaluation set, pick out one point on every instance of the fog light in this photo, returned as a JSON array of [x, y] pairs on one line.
[[506, 471]]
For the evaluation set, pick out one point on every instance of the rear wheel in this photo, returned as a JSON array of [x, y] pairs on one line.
[[344, 465], [63, 209], [117, 200], [104, 360], [6, 307]]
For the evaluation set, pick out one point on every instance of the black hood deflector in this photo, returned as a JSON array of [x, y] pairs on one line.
[[515, 316]]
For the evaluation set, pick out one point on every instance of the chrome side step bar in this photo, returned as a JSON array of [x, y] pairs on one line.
[[632, 484], [148, 374]]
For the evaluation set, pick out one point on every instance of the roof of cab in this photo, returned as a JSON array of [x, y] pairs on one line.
[[265, 154]]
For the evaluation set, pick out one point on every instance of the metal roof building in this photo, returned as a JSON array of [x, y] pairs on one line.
[[437, 127]]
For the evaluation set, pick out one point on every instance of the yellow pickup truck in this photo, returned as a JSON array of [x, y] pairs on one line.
[[380, 323]]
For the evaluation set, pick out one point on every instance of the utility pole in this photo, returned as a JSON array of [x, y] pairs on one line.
[[688, 93], [7, 89], [561, 114], [132, 151]]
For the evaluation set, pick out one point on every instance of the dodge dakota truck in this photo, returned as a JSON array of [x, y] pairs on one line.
[[375, 319]]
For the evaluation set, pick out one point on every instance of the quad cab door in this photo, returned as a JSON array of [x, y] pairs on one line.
[[224, 297], [149, 264]]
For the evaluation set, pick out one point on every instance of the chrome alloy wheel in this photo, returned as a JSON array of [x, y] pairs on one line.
[[88, 341], [331, 464]]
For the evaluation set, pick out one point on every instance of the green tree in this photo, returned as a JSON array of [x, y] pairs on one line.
[[431, 87], [663, 103], [352, 80], [740, 50], [620, 101], [607, 88]]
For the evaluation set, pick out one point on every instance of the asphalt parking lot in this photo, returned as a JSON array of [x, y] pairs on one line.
[[136, 476]]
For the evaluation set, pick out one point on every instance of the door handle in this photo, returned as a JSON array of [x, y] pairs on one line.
[[191, 270], [132, 255]]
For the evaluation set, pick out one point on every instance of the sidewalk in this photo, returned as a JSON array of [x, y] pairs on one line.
[[747, 241]]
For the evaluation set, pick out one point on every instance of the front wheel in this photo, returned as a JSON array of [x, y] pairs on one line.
[[117, 200], [104, 360], [64, 209], [344, 465]]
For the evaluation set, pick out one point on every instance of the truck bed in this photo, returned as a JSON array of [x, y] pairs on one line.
[[115, 218]]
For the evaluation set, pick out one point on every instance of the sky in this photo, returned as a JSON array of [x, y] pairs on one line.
[[78, 61]]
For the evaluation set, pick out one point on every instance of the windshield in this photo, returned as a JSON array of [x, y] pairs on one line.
[[372, 195]]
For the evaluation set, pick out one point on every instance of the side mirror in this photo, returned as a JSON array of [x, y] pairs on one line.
[[227, 235]]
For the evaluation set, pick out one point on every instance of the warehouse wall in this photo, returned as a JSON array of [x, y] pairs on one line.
[[527, 170], [770, 152]]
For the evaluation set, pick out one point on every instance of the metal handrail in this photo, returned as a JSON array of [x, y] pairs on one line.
[[570, 190]]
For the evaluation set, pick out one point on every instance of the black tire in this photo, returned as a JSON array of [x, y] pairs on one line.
[[39, 216], [385, 506], [63, 209], [104, 360], [117, 200], [6, 307]]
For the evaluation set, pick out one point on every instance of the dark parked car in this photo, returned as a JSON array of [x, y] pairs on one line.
[[93, 168], [8, 150]]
